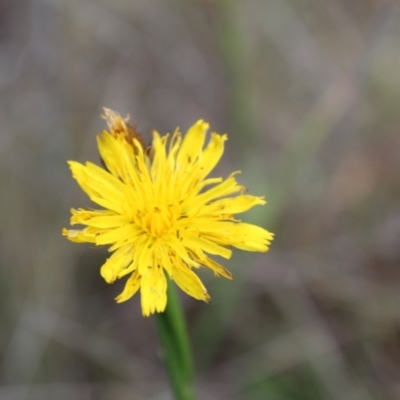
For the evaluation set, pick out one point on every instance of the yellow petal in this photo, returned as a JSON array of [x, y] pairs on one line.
[[180, 250], [102, 187], [192, 145], [113, 266], [79, 236], [212, 153], [207, 246], [99, 218], [251, 237], [124, 233], [190, 283], [159, 163], [234, 205], [103, 182], [226, 188], [153, 291], [80, 215], [117, 154], [218, 269], [131, 287], [144, 252], [173, 148], [78, 173]]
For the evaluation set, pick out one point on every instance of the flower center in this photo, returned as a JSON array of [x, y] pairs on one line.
[[157, 220]]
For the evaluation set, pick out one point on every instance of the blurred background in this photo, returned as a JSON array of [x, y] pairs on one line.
[[309, 93]]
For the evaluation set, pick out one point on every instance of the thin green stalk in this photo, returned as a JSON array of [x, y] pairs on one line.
[[176, 353]]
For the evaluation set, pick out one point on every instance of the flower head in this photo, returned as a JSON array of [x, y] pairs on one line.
[[161, 214]]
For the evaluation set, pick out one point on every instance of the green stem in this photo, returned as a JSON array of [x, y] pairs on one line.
[[176, 353]]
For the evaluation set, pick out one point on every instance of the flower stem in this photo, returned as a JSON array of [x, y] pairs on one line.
[[176, 353]]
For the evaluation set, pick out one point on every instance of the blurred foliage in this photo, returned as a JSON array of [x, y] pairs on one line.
[[309, 94]]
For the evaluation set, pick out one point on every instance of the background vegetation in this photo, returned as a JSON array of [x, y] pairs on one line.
[[309, 93]]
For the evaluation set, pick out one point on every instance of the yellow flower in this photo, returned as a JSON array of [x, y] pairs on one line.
[[161, 214]]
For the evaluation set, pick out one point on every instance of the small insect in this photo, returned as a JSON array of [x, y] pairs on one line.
[[120, 127]]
